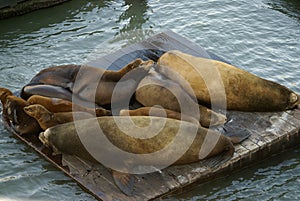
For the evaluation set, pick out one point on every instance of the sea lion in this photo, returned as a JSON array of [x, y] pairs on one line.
[[158, 112], [17, 118], [156, 89], [63, 138], [4, 93], [47, 119], [237, 88], [86, 83], [55, 105]]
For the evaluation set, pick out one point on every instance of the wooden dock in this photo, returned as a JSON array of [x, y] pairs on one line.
[[271, 133]]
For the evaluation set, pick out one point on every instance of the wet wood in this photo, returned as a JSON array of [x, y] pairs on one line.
[[270, 134]]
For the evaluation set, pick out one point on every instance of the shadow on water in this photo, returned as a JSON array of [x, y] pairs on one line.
[[290, 8], [260, 180]]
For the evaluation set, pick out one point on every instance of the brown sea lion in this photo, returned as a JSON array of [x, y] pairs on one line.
[[158, 112], [4, 93], [86, 83], [18, 119], [215, 82], [14, 114], [47, 119], [156, 89], [59, 105]]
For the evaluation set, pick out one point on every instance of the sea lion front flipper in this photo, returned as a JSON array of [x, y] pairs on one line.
[[125, 182], [46, 90]]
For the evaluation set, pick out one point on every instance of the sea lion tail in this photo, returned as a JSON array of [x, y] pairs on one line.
[[125, 182]]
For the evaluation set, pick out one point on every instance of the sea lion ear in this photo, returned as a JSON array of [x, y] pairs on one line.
[[125, 182]]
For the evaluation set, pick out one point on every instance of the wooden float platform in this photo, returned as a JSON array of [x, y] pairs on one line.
[[270, 133]]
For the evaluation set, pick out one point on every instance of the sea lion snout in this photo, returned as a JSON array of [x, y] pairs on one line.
[[147, 65], [28, 109], [294, 100]]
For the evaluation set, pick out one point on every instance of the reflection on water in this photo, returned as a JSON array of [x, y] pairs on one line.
[[290, 8], [134, 16]]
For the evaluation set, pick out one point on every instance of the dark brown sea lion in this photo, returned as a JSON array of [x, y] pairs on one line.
[[156, 89], [47, 119], [215, 82], [86, 83]]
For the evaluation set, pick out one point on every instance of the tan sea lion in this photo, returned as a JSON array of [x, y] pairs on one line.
[[156, 89], [176, 142], [86, 83], [47, 119], [236, 88], [64, 137]]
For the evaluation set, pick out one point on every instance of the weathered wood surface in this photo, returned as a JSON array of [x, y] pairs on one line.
[[270, 133]]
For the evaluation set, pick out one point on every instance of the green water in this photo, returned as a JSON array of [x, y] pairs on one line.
[[261, 36]]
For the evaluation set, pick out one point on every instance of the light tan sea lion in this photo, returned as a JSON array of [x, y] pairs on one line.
[[243, 91], [86, 83], [156, 89], [64, 137], [59, 105], [47, 119]]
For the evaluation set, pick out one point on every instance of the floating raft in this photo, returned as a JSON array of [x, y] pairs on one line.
[[271, 133]]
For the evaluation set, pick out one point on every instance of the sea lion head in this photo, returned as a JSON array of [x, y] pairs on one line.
[[35, 110], [294, 101], [3, 95], [19, 120]]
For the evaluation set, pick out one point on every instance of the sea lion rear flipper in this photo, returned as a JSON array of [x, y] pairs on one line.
[[125, 182], [236, 134]]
